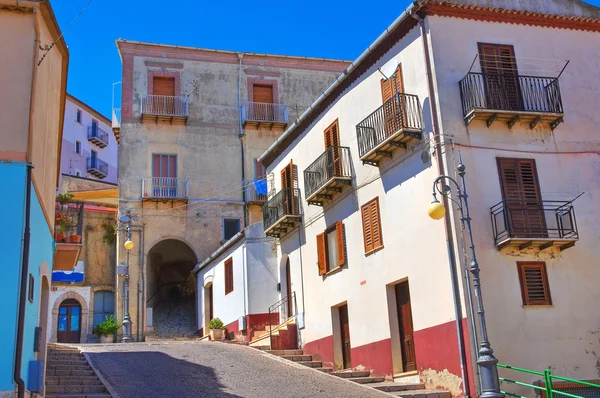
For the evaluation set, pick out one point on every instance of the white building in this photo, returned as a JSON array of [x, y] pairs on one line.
[[89, 146], [486, 79]]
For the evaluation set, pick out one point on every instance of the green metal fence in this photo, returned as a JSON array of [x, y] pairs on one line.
[[589, 389]]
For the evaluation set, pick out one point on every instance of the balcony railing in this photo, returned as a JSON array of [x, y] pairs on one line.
[[264, 113], [254, 193], [97, 136], [326, 173], [97, 167], [164, 105], [281, 212], [116, 118], [514, 95], [393, 124], [165, 188], [524, 223]]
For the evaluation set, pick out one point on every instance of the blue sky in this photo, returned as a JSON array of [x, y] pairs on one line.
[[325, 28]]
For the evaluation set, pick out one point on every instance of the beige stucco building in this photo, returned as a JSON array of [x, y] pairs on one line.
[[193, 122], [511, 87]]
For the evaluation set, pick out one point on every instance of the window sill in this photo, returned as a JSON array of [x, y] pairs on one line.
[[333, 271], [374, 250], [538, 307]]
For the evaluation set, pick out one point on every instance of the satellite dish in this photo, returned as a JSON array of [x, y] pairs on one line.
[[125, 219]]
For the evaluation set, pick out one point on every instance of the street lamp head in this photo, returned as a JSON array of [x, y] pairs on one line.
[[436, 209], [128, 245]]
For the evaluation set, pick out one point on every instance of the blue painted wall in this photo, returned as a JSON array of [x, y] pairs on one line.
[[11, 243]]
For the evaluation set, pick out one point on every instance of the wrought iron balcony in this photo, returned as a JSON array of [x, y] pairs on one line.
[[511, 98], [97, 136], [97, 167], [327, 175], [164, 108], [524, 223], [165, 188], [253, 196], [394, 124], [68, 232], [259, 114], [281, 213]]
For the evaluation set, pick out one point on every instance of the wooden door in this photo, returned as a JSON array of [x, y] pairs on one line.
[[332, 146], [522, 197], [407, 342], [69, 322], [345, 336], [165, 88], [500, 76], [209, 293], [288, 289], [262, 95], [393, 110]]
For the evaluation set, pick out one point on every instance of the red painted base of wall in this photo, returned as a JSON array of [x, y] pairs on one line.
[[322, 347], [376, 357], [286, 339], [254, 323]]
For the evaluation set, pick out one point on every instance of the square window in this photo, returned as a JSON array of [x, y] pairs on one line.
[[31, 290], [78, 116], [231, 226], [78, 147], [533, 278]]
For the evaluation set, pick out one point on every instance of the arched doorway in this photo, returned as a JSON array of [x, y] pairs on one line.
[[285, 277], [69, 322], [171, 288]]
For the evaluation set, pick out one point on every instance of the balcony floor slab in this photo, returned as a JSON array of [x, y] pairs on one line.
[[511, 117], [331, 187], [539, 243], [400, 138]]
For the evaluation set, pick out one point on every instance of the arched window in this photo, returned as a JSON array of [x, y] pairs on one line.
[[104, 305]]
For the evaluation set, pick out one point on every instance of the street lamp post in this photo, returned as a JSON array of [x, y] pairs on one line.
[[486, 361], [126, 318]]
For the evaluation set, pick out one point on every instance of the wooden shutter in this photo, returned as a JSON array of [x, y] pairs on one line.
[[262, 93], [534, 283], [228, 275], [371, 226], [289, 179], [332, 139], [321, 254], [163, 86], [339, 237], [499, 67], [332, 135], [393, 111]]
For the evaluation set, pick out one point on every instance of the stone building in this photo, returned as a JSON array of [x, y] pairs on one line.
[[193, 121]]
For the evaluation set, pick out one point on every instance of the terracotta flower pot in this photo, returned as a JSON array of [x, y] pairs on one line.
[[75, 238], [107, 339], [60, 237], [216, 334]]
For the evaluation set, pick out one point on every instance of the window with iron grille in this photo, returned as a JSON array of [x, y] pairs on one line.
[[104, 306], [534, 283]]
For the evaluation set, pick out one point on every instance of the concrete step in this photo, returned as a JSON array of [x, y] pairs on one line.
[[64, 380], [90, 395], [297, 358], [285, 352], [70, 373], [61, 354], [346, 374], [311, 364], [76, 389], [423, 394], [390, 386], [324, 370], [59, 360], [367, 380], [71, 366]]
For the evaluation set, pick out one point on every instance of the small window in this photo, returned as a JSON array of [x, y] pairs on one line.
[[78, 116], [534, 283], [228, 275], [31, 287], [371, 226], [231, 226], [78, 147], [331, 248]]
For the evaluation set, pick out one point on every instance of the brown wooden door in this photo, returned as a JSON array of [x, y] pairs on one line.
[[263, 96], [209, 293], [409, 359], [393, 111], [522, 197], [345, 336], [501, 78], [332, 146], [69, 322], [165, 88], [288, 289]]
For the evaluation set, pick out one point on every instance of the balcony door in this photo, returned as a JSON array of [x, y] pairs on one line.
[[522, 198], [165, 88], [69, 322], [164, 176], [405, 323], [332, 146], [262, 95], [501, 78], [394, 111]]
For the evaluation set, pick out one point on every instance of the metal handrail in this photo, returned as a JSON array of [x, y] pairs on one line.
[[402, 111], [548, 387], [509, 92], [264, 112], [334, 162], [165, 188], [253, 196], [284, 203], [95, 163], [69, 221], [552, 219], [280, 309], [164, 105], [96, 132]]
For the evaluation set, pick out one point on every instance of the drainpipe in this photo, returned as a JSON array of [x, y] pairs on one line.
[[23, 288], [244, 273], [242, 136], [447, 219]]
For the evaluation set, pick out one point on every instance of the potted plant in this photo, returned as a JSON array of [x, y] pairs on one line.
[[106, 329], [216, 329], [75, 238], [64, 197], [61, 221]]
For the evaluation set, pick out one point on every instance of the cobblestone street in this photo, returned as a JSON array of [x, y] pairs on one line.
[[204, 369]]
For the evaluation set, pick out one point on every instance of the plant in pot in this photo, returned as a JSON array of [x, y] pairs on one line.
[[216, 329], [106, 329], [61, 221]]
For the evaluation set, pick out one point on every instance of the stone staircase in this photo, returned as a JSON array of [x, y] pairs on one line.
[[68, 375], [174, 320], [285, 336], [407, 390]]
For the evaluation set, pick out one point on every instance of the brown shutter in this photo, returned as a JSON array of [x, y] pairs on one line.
[[228, 275], [376, 224], [321, 256], [163, 86], [371, 225], [393, 111], [534, 283], [499, 67], [332, 139], [262, 93], [339, 237], [367, 232]]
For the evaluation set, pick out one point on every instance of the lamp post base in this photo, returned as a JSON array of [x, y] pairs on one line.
[[126, 330]]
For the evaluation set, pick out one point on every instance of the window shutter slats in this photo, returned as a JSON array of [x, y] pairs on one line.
[[321, 255], [371, 225], [534, 283], [228, 276], [368, 237], [339, 231]]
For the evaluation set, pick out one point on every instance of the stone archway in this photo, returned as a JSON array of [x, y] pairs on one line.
[[171, 288], [84, 315]]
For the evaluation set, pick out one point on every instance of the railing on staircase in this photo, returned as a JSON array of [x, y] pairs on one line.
[[279, 313], [549, 388]]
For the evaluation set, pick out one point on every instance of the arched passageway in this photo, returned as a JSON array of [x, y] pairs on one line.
[[171, 289]]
